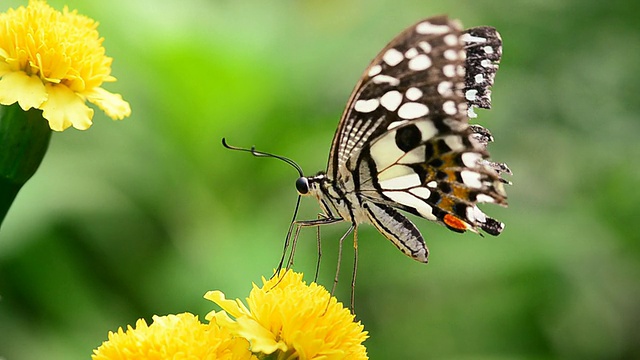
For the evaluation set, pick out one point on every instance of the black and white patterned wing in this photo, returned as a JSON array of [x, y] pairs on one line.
[[404, 140], [483, 47], [416, 60]]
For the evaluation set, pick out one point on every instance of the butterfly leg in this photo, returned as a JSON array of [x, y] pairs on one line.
[[355, 270], [319, 242], [294, 244], [294, 231], [335, 279], [321, 220]]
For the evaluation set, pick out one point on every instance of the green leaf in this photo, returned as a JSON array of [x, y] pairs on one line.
[[24, 139]]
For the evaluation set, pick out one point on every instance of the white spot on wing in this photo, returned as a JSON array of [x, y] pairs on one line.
[[366, 106], [479, 78], [395, 124], [402, 182], [471, 159], [471, 94], [392, 57], [471, 178], [391, 100], [394, 171], [451, 40], [445, 88], [471, 113], [480, 216], [407, 199], [426, 27], [449, 70], [420, 62], [450, 54], [482, 198], [375, 70], [411, 53], [427, 129], [449, 107], [488, 49], [454, 142], [421, 192], [470, 214], [378, 79], [414, 156], [471, 38], [476, 215], [432, 184], [412, 110], [425, 46], [413, 93], [385, 152]]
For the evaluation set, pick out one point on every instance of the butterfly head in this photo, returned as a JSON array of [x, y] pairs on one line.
[[320, 187], [302, 185], [310, 185]]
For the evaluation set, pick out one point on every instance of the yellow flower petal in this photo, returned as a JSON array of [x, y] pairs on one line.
[[19, 87], [234, 307], [4, 67], [180, 337], [64, 108], [223, 319], [261, 339], [112, 104], [296, 320], [41, 44]]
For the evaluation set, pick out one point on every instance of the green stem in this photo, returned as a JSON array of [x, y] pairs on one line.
[[24, 139]]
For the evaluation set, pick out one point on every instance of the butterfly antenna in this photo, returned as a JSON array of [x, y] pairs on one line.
[[257, 153]]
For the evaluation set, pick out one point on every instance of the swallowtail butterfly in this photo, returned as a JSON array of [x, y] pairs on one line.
[[404, 141]]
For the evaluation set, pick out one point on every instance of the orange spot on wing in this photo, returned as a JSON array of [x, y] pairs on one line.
[[454, 222]]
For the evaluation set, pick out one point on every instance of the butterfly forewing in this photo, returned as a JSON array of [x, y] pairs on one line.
[[404, 138], [401, 83], [404, 141]]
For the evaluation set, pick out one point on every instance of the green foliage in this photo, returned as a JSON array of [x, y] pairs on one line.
[[24, 138], [142, 217]]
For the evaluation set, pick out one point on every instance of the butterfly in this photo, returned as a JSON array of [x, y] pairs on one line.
[[404, 141]]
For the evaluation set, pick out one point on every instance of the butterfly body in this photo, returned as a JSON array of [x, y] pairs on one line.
[[404, 141]]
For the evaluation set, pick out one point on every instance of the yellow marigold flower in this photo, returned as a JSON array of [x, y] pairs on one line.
[[176, 337], [292, 320], [54, 61]]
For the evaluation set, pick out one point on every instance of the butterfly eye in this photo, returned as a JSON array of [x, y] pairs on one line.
[[302, 185]]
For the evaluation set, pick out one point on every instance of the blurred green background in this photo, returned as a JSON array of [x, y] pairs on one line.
[[142, 217]]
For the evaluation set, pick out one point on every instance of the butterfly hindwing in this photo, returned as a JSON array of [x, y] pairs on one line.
[[397, 228], [440, 178]]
